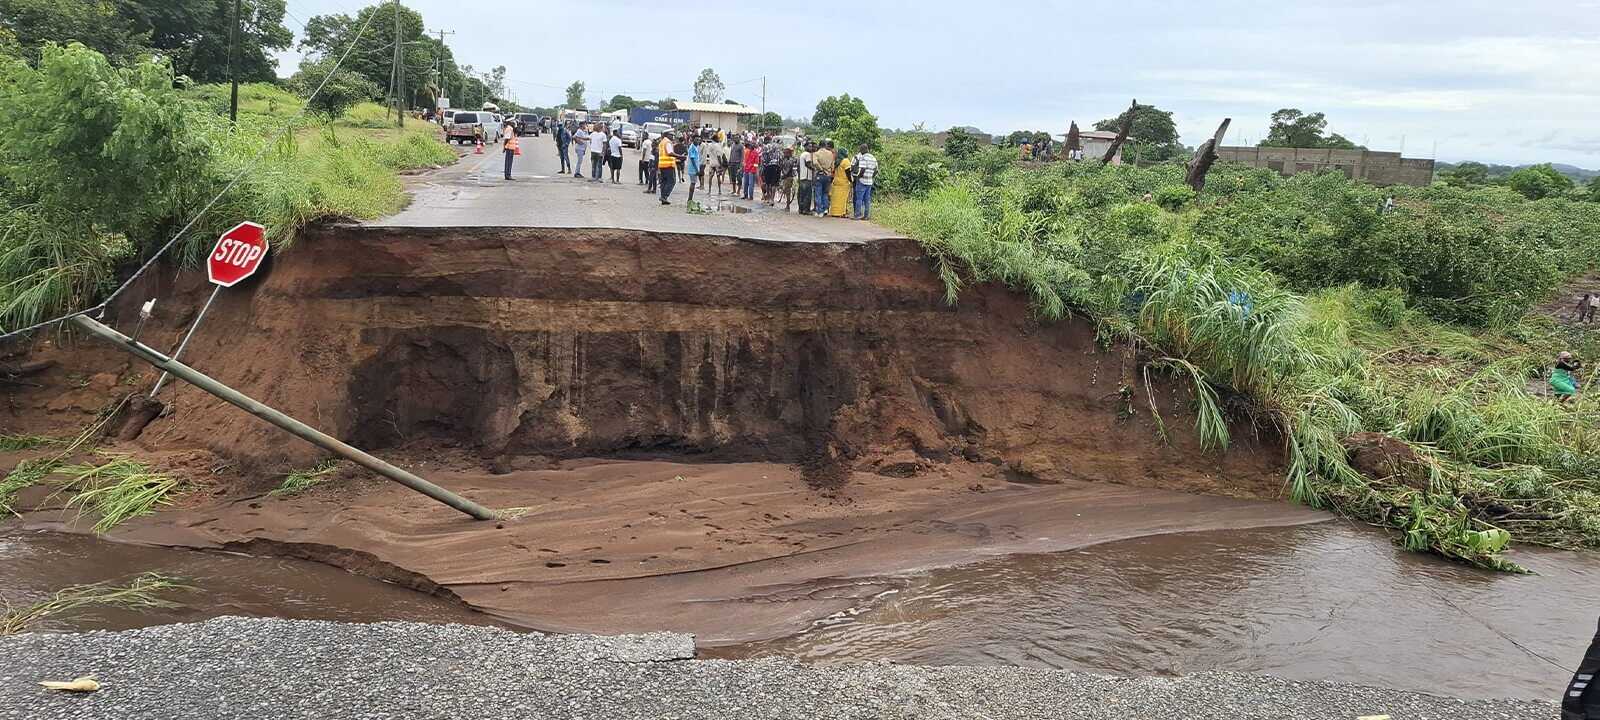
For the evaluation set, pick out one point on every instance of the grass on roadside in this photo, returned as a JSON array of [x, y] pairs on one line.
[[301, 480], [1319, 365], [144, 591]]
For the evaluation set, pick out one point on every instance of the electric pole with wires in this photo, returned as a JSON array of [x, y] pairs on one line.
[[233, 65], [397, 72]]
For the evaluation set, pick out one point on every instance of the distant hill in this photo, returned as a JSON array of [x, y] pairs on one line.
[[1578, 174]]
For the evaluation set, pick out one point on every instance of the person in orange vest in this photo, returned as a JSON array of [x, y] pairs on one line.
[[510, 146], [666, 166]]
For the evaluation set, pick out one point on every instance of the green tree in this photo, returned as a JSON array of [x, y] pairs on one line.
[[372, 55], [194, 34], [832, 110], [338, 94], [97, 24], [127, 124], [708, 87], [1154, 132], [1466, 174], [959, 144], [1293, 128], [619, 102], [496, 81], [854, 130], [575, 94], [1594, 189], [768, 121], [1539, 181]]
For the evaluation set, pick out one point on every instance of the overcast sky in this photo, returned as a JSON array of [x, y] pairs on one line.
[[1507, 82]]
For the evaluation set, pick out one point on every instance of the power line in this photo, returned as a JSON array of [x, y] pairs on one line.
[[192, 221]]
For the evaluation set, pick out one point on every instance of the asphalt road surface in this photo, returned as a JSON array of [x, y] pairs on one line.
[[473, 193]]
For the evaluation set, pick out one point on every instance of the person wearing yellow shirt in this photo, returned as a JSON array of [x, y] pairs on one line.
[[666, 166]]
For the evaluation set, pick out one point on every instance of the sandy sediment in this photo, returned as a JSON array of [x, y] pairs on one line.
[[786, 426]]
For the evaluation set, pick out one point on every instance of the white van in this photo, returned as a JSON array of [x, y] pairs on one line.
[[468, 126]]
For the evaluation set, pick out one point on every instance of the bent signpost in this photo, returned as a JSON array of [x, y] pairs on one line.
[[271, 415], [236, 256]]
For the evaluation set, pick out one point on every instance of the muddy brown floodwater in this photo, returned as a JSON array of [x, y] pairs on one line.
[[1316, 602], [34, 565]]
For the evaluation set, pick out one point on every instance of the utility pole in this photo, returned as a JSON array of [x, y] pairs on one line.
[[233, 63], [399, 72], [444, 88], [763, 102], [282, 421]]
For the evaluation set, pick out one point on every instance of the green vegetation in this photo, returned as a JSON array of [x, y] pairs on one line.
[[116, 490], [846, 120], [193, 34], [1318, 315], [13, 443], [301, 480], [25, 475], [158, 154], [144, 591]]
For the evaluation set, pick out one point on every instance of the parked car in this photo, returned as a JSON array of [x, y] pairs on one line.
[[656, 128], [527, 124], [630, 133], [468, 126]]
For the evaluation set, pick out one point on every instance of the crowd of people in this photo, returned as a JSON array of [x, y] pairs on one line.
[[819, 180]]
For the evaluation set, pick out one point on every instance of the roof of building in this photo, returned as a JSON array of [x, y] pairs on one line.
[[1097, 134], [717, 108]]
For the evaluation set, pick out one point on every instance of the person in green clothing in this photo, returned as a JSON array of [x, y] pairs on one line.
[[1562, 381]]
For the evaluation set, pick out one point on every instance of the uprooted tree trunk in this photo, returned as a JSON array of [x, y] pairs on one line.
[[1074, 141], [1122, 133], [1205, 156]]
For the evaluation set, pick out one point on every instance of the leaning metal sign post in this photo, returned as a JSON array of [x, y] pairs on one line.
[[237, 255]]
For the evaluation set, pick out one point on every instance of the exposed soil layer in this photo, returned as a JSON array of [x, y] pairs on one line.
[[511, 354]]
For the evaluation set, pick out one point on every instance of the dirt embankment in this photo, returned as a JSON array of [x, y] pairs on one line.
[[860, 415]]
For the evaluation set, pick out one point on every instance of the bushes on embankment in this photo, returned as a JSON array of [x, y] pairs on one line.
[[1329, 314], [101, 164]]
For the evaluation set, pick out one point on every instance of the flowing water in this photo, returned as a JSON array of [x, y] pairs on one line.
[[34, 565], [1317, 602]]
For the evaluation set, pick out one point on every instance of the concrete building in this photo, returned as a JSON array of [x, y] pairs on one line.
[[1095, 144], [1378, 168], [718, 115]]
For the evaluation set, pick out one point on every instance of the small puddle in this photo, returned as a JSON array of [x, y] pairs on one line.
[[33, 565], [1321, 602]]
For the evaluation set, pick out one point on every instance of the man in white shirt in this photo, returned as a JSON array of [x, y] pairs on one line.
[[597, 153], [865, 170], [580, 145], [807, 174]]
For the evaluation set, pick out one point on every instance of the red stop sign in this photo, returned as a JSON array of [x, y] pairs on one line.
[[238, 254]]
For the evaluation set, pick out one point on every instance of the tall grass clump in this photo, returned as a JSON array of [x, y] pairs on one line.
[[115, 490], [1328, 316]]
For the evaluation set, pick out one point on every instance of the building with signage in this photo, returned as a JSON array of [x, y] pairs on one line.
[[724, 116]]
